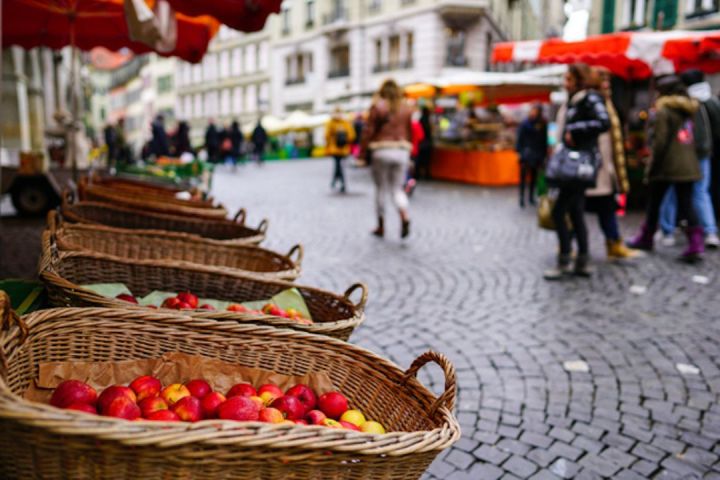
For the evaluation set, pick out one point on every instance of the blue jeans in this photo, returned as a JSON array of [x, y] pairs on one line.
[[701, 201]]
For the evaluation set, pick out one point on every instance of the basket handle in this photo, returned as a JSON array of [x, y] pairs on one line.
[[68, 197], [363, 296], [263, 226], [52, 222], [8, 317], [447, 399], [240, 216], [298, 249]]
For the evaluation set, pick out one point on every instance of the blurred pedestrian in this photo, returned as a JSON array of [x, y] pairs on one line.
[[159, 145], [532, 147], [707, 134], [212, 142], [674, 162], [236, 139], [582, 119], [425, 150], [123, 153], [388, 136], [226, 145], [259, 139], [110, 143], [181, 140], [358, 125], [418, 134], [339, 136], [612, 178]]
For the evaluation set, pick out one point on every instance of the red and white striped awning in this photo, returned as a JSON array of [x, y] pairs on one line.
[[632, 55]]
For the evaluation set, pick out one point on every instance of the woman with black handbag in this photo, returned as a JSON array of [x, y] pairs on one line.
[[573, 167]]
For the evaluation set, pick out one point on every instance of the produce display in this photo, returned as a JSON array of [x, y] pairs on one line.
[[146, 399]]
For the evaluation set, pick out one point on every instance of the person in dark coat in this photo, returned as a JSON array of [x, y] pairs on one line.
[[674, 162], [585, 118], [181, 142], [532, 146], [109, 137], [212, 142], [236, 139], [159, 145], [259, 139], [425, 149]]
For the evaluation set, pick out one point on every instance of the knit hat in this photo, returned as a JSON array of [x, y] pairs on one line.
[[692, 76], [670, 85]]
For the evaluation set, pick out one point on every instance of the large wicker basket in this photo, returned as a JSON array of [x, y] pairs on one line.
[[146, 201], [333, 315], [143, 187], [227, 231], [40, 441], [159, 245]]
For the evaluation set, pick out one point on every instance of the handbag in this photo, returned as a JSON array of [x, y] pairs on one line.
[[546, 203], [573, 166]]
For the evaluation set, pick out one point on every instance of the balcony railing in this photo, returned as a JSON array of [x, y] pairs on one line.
[[295, 81], [389, 67], [339, 72]]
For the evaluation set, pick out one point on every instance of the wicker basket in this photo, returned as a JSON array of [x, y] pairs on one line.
[[145, 187], [158, 245], [146, 201], [333, 315], [41, 441], [227, 231]]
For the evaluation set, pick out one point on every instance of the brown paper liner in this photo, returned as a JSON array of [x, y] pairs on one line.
[[170, 368]]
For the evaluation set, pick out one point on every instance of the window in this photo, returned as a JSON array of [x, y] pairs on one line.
[[164, 83], [224, 64], [488, 52], [285, 15], [339, 62], [375, 6], [634, 13], [236, 65], [455, 48], [238, 100], [696, 8], [394, 54], [225, 102], [187, 107], [250, 60], [198, 109], [251, 98], [410, 49], [378, 53], [309, 13], [263, 56]]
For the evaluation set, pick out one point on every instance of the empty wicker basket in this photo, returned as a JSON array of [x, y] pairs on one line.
[[333, 315], [178, 249], [223, 230], [41, 441]]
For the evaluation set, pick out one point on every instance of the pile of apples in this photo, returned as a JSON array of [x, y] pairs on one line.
[[145, 398], [190, 301]]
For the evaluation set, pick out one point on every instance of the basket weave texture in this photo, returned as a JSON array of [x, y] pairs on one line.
[[228, 231], [177, 250], [333, 315], [40, 441], [146, 201]]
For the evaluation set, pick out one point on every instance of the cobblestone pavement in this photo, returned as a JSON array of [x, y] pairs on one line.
[[468, 284]]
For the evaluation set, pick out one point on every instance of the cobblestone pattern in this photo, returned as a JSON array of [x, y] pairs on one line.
[[468, 283]]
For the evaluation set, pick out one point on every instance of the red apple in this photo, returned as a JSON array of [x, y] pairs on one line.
[[82, 407], [184, 306], [210, 403], [188, 409], [237, 308], [171, 303], [198, 388], [315, 417], [173, 393], [164, 416], [349, 426], [272, 388], [271, 415], [146, 387], [260, 402], [73, 391], [111, 393], [189, 298], [152, 405], [333, 404], [123, 407], [301, 422], [242, 390], [206, 306], [291, 407], [239, 408], [126, 297], [305, 394], [329, 422]]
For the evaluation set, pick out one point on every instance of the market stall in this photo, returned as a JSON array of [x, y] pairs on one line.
[[475, 141]]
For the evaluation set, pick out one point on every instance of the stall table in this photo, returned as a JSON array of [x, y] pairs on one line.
[[499, 168]]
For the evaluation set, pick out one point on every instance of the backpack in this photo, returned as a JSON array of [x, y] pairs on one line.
[[341, 138]]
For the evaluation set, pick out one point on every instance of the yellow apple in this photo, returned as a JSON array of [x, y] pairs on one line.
[[372, 427], [353, 416]]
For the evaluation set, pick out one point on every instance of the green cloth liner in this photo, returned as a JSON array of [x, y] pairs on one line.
[[287, 299]]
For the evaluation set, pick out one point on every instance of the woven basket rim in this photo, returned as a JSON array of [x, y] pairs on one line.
[[211, 432]]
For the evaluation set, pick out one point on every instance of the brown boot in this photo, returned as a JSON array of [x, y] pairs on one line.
[[616, 250], [380, 230]]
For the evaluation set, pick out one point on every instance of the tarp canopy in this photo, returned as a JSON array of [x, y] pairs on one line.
[[492, 87], [631, 55], [243, 15]]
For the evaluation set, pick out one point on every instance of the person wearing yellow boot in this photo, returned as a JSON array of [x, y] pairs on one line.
[[612, 176]]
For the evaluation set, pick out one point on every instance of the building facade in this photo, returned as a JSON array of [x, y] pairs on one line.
[[231, 83], [618, 15], [337, 52]]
